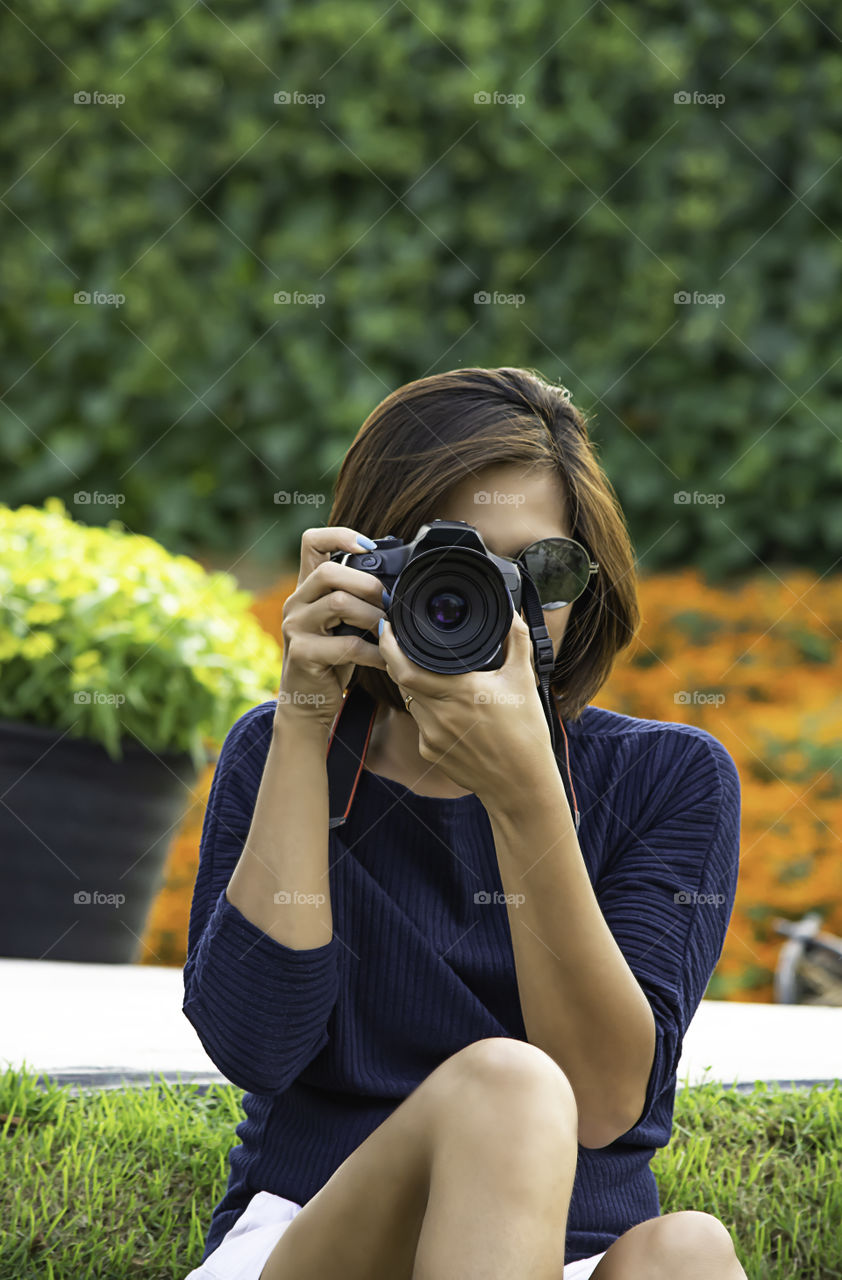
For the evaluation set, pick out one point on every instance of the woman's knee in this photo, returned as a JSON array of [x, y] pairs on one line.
[[499, 1068], [690, 1234]]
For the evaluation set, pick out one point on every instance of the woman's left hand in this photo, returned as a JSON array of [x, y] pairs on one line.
[[486, 730]]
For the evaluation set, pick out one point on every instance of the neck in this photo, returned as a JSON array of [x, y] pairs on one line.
[[393, 752]]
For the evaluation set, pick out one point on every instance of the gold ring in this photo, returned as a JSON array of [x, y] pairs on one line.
[[407, 700]]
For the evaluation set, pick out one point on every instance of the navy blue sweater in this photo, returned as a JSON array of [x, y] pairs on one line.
[[327, 1041]]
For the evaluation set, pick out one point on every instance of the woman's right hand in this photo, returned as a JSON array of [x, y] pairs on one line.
[[317, 666]]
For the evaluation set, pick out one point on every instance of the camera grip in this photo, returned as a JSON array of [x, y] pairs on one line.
[[345, 629]]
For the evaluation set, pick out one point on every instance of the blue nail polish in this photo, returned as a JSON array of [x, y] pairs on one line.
[[385, 596], [366, 542], [380, 626]]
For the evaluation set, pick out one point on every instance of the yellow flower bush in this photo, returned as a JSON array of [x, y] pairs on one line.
[[108, 635], [759, 666]]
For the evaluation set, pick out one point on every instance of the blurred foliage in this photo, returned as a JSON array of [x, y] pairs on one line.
[[399, 197], [107, 635]]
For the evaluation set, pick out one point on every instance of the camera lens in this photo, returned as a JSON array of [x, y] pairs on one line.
[[446, 610], [451, 610]]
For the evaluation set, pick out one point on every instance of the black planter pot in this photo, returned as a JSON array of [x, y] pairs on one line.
[[83, 840]]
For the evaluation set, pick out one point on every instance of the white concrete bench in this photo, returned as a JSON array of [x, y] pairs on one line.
[[100, 1025]]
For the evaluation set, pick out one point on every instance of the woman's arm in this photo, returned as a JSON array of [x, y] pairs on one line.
[[580, 1001], [595, 966], [260, 984], [286, 850]]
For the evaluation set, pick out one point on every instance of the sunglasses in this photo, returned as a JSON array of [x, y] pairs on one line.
[[560, 569]]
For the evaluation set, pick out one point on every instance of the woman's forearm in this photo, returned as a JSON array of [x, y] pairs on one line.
[[280, 882]]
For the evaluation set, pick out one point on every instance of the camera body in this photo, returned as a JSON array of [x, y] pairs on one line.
[[452, 600]]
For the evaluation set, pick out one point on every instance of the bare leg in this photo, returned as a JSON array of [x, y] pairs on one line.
[[503, 1167], [687, 1245], [469, 1177]]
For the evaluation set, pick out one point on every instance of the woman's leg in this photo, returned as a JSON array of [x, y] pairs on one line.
[[687, 1245], [471, 1175]]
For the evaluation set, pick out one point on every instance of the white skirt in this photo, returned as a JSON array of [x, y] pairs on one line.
[[243, 1251]]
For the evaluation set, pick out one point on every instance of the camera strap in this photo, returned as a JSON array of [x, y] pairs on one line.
[[351, 730], [542, 648], [346, 751]]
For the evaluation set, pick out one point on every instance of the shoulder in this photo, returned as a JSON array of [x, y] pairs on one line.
[[669, 751], [246, 744], [598, 723]]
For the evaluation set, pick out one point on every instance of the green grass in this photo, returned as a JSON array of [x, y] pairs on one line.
[[121, 1183]]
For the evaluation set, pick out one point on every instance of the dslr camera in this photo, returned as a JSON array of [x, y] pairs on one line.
[[452, 600]]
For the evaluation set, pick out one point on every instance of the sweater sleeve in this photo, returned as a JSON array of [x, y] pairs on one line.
[[260, 1008], [668, 891]]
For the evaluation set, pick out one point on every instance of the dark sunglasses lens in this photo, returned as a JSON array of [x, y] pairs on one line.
[[559, 569]]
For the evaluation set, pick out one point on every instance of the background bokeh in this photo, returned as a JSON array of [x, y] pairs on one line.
[[230, 231]]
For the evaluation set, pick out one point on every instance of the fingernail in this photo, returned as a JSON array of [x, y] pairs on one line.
[[380, 626], [366, 542], [385, 596]]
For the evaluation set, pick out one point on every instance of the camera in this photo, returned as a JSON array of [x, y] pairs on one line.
[[452, 600]]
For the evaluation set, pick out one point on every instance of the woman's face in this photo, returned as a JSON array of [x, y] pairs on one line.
[[511, 506]]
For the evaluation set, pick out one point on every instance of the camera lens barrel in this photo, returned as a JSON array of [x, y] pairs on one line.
[[451, 610]]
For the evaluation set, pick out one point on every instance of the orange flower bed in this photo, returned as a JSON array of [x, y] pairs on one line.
[[759, 666]]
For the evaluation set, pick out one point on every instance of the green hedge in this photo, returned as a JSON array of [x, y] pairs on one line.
[[398, 198]]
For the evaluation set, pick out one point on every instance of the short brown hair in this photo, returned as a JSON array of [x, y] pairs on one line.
[[430, 434]]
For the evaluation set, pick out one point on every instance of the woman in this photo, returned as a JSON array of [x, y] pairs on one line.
[[457, 1020]]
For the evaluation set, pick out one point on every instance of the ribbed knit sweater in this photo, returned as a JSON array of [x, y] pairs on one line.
[[327, 1041]]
